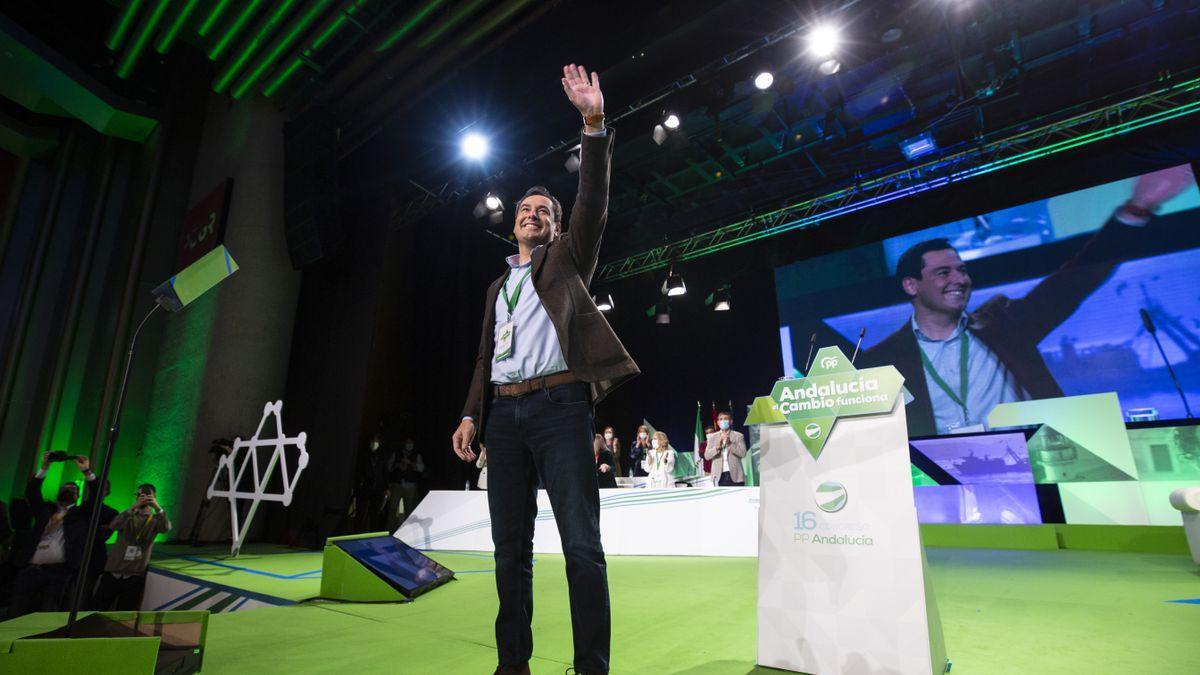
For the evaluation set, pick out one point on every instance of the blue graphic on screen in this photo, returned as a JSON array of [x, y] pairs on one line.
[[1004, 504], [407, 569], [997, 483], [986, 458], [1102, 346]]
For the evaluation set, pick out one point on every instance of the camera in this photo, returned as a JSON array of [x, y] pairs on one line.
[[58, 456]]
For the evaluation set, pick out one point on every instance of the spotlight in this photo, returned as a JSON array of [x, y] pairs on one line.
[[671, 122], [764, 80], [490, 207], [572, 163], [662, 313], [918, 145], [721, 300], [823, 40], [673, 286], [604, 302], [659, 134], [474, 146], [830, 67]]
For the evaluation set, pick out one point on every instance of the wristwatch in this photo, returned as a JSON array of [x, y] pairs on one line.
[[596, 120]]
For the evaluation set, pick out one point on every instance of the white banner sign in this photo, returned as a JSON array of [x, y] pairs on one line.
[[678, 521], [841, 584]]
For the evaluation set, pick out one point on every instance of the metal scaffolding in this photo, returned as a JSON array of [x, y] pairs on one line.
[[999, 150]]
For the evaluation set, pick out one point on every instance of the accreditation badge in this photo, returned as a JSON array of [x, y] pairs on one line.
[[133, 552], [504, 341]]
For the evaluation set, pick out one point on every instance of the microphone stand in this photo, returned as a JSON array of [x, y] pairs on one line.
[[861, 334], [98, 491], [812, 344], [1153, 330]]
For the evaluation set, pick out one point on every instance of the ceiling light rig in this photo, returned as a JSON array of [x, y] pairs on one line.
[[474, 146], [604, 302], [822, 42], [673, 285], [490, 207]]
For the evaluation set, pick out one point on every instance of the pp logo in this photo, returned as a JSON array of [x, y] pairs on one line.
[[829, 362], [831, 496], [813, 430]]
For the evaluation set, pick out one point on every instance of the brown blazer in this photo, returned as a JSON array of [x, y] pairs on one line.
[[737, 450], [562, 271]]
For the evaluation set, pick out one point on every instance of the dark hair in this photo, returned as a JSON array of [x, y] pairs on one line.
[[555, 207], [147, 486], [725, 413], [912, 261]]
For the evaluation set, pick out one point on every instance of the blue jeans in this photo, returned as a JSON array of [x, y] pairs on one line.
[[546, 434]]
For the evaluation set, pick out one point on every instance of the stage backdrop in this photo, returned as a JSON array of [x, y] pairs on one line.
[[1098, 346]]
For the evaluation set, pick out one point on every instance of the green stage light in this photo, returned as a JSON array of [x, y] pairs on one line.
[[264, 31], [283, 43], [141, 39], [214, 15], [494, 20], [324, 35], [234, 28], [408, 24], [456, 18], [124, 22], [168, 37]]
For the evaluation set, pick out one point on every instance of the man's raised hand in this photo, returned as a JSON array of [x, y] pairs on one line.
[[583, 90]]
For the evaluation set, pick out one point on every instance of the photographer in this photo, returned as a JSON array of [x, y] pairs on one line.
[[124, 577], [60, 528]]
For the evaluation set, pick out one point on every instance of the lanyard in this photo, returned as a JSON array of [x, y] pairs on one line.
[[512, 302], [960, 399], [137, 534]]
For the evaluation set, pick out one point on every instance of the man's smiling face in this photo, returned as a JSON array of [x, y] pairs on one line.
[[944, 285], [535, 221]]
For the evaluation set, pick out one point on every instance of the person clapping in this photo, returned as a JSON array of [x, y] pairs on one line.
[[659, 462]]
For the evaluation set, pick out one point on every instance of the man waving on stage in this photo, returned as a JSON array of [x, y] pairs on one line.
[[546, 356]]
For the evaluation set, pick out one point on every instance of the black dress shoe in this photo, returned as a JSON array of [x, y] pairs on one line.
[[522, 669]]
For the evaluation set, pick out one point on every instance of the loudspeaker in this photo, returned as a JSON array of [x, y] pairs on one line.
[[310, 189]]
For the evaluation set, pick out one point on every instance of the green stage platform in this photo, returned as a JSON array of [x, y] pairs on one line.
[[1003, 611]]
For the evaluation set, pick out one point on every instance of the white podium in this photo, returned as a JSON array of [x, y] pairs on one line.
[[842, 587]]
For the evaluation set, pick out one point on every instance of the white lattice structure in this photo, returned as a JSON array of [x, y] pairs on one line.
[[245, 456]]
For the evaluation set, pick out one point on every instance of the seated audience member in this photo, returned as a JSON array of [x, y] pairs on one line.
[[725, 449], [48, 569], [614, 446], [606, 476], [124, 578], [638, 450], [659, 463]]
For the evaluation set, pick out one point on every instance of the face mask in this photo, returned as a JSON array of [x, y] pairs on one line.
[[408, 445], [374, 445], [642, 435], [608, 436], [654, 444], [724, 424]]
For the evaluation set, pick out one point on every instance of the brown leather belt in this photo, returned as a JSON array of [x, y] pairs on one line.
[[536, 384]]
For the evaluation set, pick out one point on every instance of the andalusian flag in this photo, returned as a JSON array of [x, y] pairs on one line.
[[699, 456]]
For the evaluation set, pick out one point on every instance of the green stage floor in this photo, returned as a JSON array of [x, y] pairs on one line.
[[1003, 611], [278, 571]]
